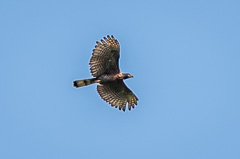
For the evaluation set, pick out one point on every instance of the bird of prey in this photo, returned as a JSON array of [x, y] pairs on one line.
[[104, 66]]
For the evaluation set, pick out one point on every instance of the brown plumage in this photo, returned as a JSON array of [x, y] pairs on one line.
[[104, 66]]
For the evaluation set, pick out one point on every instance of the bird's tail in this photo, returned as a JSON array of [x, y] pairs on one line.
[[85, 82]]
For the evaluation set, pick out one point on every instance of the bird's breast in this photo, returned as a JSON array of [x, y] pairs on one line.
[[106, 78]]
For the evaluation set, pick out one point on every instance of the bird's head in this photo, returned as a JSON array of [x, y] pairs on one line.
[[127, 75]]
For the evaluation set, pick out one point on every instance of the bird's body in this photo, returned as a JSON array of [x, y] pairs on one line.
[[101, 79], [104, 66]]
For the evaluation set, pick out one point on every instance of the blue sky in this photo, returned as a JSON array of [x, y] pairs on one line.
[[185, 58]]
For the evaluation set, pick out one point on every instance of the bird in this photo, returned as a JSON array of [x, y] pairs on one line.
[[104, 67]]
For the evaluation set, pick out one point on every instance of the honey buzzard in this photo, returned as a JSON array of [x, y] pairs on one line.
[[104, 66]]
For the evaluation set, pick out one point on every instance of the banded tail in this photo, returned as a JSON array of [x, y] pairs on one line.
[[85, 82]]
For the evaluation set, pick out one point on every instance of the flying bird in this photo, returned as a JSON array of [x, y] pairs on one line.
[[104, 66]]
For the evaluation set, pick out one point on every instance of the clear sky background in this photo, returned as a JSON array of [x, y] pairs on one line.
[[185, 58]]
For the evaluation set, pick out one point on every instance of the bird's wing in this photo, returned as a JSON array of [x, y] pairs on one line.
[[117, 94], [105, 57]]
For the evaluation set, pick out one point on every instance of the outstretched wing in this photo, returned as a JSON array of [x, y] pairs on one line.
[[117, 94], [105, 57]]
